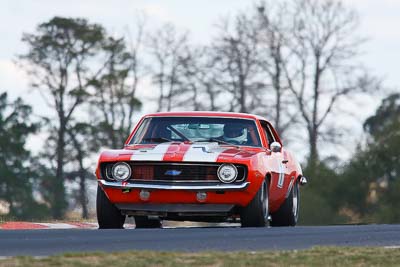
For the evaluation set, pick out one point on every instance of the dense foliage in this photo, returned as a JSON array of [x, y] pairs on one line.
[[18, 174], [371, 180]]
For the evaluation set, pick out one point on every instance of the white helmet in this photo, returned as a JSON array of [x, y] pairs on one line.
[[234, 132]]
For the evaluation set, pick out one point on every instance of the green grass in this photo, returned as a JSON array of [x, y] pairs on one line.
[[319, 256]]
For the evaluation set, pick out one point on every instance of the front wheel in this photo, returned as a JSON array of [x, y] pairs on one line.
[[255, 214], [288, 213], [108, 216]]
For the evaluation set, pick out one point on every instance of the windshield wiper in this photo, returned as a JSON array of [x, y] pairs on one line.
[[156, 139], [181, 135]]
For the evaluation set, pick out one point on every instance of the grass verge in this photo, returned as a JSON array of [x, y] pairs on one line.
[[318, 256]]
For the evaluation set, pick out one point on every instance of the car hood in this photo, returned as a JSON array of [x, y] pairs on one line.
[[183, 152]]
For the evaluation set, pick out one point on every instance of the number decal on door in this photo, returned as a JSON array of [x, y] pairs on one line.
[[281, 178]]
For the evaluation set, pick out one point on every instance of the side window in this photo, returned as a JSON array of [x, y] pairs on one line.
[[268, 134]]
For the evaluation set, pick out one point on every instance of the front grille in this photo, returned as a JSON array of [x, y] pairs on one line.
[[174, 172]]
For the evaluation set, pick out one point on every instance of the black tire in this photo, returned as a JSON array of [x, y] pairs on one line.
[[288, 213], [108, 216], [145, 222], [256, 213]]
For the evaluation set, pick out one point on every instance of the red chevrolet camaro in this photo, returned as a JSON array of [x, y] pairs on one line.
[[199, 166]]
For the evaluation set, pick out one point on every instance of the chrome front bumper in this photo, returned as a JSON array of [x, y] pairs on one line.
[[219, 187]]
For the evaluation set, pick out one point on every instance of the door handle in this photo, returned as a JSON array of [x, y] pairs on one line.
[[285, 161]]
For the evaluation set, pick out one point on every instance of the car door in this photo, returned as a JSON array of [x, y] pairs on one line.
[[277, 163]]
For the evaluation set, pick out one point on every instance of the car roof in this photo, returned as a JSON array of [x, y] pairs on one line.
[[206, 114]]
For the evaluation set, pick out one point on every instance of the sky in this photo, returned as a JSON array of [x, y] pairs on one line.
[[379, 20]]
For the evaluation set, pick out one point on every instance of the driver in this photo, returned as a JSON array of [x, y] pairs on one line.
[[234, 132]]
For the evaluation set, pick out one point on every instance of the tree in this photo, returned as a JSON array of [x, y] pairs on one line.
[[322, 196], [17, 171], [322, 70], [385, 121], [59, 60], [371, 180], [275, 53], [79, 146], [383, 150], [198, 79], [114, 100], [235, 54], [169, 51], [192, 73]]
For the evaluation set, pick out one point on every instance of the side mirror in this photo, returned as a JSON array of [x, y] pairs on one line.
[[275, 147]]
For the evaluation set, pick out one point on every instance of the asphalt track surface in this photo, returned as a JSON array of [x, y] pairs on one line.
[[52, 241]]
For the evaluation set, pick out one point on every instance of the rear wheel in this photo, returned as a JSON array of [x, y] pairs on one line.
[[108, 216], [256, 213], [288, 213], [145, 222]]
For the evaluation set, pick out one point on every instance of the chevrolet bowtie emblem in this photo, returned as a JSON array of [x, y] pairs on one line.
[[173, 172]]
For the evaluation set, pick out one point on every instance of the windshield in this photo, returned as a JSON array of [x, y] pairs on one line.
[[228, 131]]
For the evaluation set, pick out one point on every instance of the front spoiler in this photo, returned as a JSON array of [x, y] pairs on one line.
[[219, 187], [176, 208], [179, 212]]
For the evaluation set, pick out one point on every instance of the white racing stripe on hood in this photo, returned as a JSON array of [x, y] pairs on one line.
[[203, 152], [152, 154]]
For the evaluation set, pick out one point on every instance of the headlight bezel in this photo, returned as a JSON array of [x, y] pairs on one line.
[[113, 170], [227, 165]]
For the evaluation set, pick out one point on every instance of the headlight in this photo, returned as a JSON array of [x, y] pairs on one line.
[[121, 171], [227, 173]]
